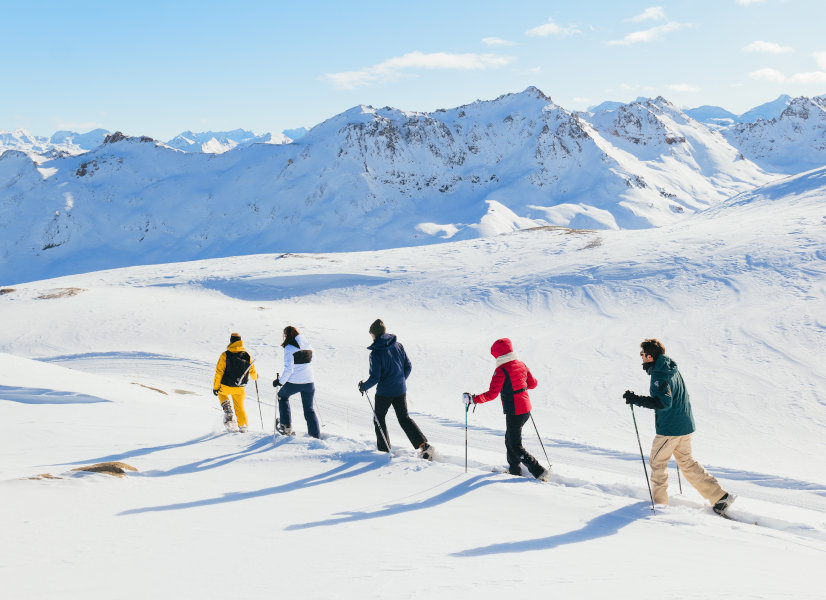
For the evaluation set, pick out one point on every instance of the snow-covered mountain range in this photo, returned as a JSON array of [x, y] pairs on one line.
[[41, 148], [379, 178]]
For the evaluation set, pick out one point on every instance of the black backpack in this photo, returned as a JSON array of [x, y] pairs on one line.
[[237, 371]]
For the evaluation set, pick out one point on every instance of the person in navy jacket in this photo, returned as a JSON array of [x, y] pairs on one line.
[[512, 379], [389, 369]]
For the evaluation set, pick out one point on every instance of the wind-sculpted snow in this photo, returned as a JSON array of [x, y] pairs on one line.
[[291, 286], [366, 179]]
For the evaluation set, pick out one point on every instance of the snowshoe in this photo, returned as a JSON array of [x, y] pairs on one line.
[[283, 429], [427, 451], [723, 504]]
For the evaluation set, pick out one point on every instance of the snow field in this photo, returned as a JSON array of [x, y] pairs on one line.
[[736, 294]]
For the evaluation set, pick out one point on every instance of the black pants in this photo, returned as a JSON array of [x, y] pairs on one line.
[[399, 403], [513, 443]]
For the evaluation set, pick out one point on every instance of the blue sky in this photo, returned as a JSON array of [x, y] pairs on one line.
[[159, 68]]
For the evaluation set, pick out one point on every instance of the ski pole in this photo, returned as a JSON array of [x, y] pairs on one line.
[[257, 395], [275, 415], [540, 442], [467, 406], [679, 480], [376, 419], [645, 468], [320, 418]]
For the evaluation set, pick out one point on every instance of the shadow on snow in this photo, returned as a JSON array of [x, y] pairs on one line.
[[460, 489], [601, 526], [25, 395], [356, 465]]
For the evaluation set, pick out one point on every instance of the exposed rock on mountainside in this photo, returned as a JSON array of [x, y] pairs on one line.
[[366, 179], [791, 143]]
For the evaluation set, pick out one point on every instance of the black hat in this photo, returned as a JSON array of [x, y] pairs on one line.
[[234, 337]]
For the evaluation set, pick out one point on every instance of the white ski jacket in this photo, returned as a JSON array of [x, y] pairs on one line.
[[297, 372]]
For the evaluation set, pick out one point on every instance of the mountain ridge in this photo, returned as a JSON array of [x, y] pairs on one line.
[[367, 179]]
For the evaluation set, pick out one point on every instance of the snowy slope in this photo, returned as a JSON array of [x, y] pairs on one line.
[[737, 293], [365, 179]]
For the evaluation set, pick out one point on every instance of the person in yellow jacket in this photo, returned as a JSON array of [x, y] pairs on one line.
[[234, 369]]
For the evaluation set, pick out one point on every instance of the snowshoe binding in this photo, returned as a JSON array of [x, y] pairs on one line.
[[283, 429], [427, 451], [723, 504]]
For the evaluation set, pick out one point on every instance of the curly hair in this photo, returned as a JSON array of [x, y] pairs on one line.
[[653, 347]]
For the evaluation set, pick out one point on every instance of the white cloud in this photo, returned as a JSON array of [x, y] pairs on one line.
[[495, 41], [820, 57], [748, 2], [683, 87], [649, 35], [654, 13], [396, 67], [551, 28], [777, 77], [769, 47], [813, 77], [768, 75]]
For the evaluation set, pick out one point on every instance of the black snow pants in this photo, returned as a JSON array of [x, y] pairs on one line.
[[516, 452], [399, 404]]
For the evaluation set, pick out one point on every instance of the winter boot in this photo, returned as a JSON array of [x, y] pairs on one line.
[[723, 504], [242, 428], [545, 475], [228, 416], [427, 451]]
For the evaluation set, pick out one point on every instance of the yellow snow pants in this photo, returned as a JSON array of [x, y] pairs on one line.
[[237, 394], [679, 446]]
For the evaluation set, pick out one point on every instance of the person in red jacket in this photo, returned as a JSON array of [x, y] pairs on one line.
[[512, 379]]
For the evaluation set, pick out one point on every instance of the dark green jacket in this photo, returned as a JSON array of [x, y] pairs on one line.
[[674, 418]]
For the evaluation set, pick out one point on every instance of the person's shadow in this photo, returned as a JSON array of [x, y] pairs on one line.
[[601, 526]]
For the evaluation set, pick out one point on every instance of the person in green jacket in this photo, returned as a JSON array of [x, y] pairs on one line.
[[674, 425]]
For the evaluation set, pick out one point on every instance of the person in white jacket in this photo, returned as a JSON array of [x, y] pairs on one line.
[[297, 378]]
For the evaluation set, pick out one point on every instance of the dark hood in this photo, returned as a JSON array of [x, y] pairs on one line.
[[385, 340]]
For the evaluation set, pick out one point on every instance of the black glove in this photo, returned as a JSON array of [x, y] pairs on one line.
[[630, 397], [214, 392], [361, 386], [276, 382]]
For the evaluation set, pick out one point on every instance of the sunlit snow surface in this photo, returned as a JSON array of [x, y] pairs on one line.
[[118, 365]]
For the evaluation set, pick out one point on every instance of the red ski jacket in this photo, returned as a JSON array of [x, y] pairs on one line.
[[512, 379]]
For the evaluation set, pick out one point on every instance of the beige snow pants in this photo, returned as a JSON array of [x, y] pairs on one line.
[[679, 446]]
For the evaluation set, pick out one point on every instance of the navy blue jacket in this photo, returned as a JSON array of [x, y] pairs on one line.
[[389, 366]]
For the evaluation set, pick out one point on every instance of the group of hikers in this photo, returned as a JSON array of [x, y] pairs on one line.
[[390, 367]]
